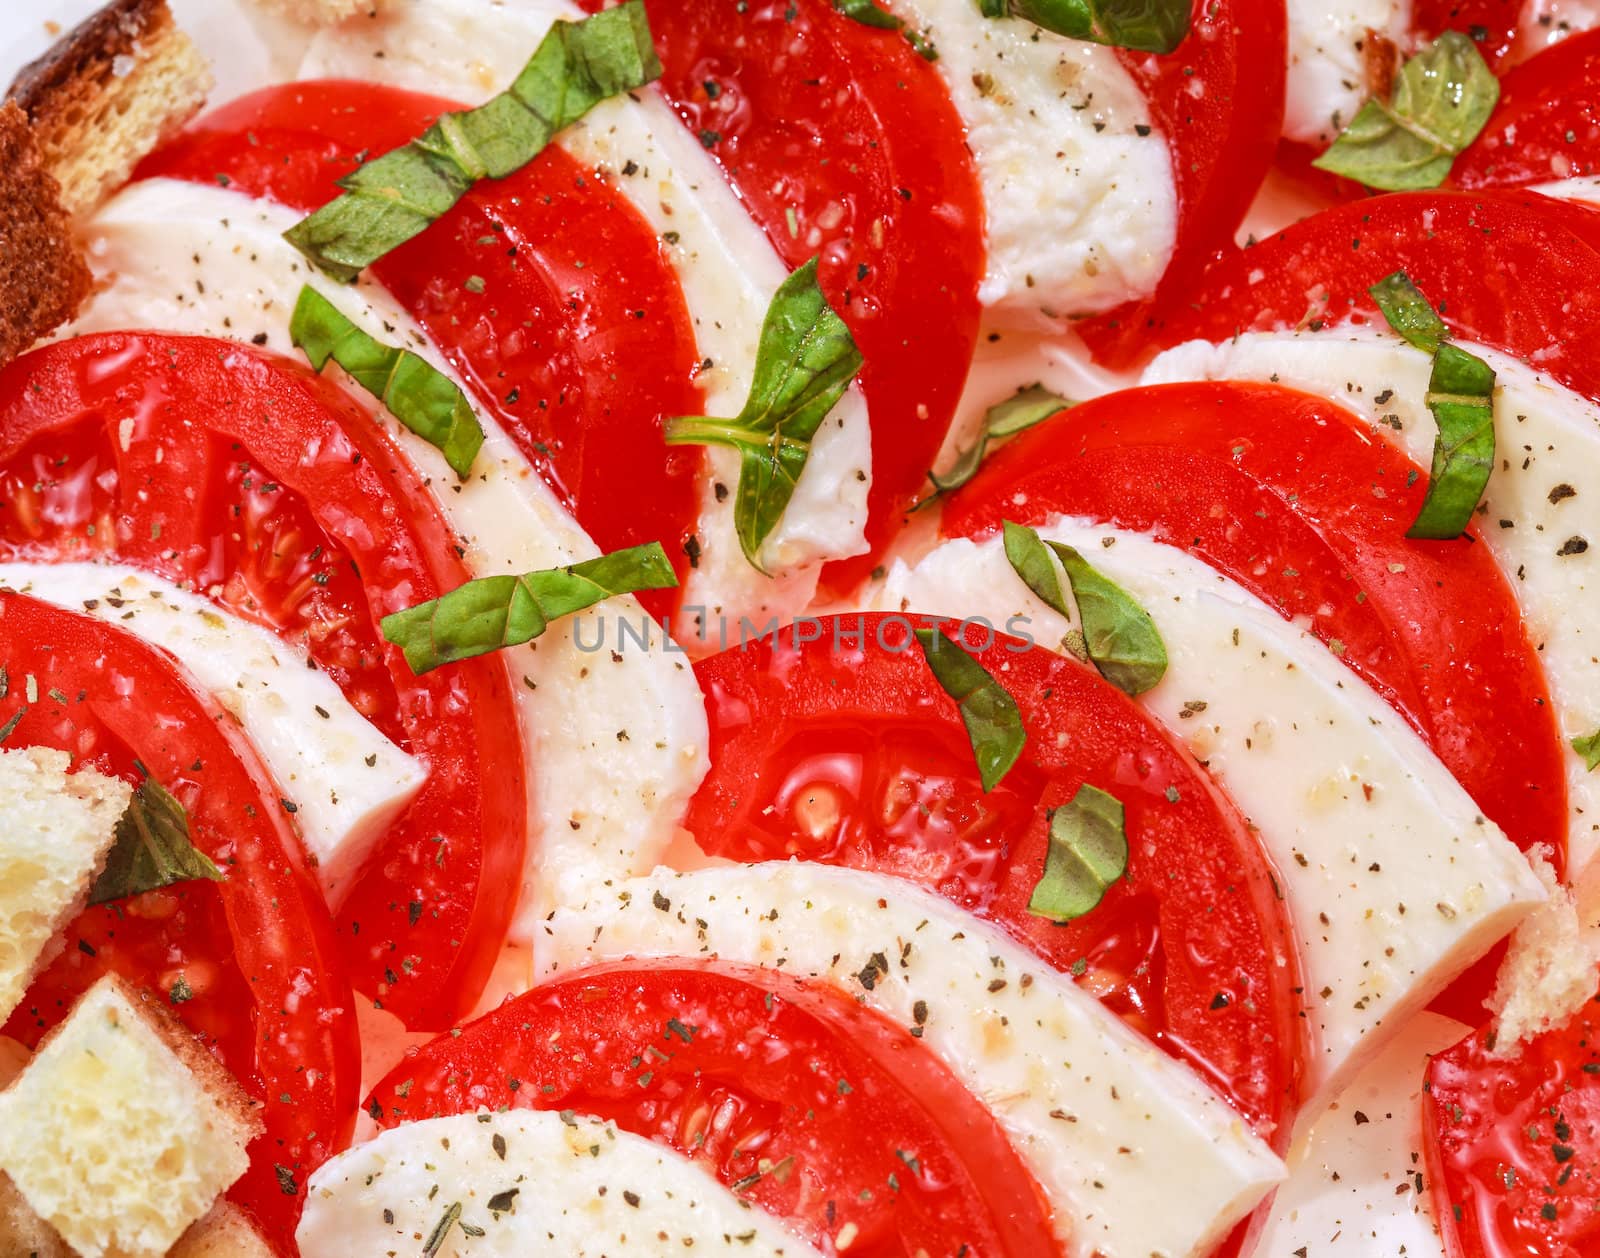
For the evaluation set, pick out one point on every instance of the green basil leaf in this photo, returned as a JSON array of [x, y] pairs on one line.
[[1143, 25], [394, 197], [994, 726], [494, 612], [1088, 852], [1461, 397], [1118, 635], [805, 361], [1588, 747], [1442, 98], [422, 398], [868, 13], [151, 849], [1408, 312], [1027, 407]]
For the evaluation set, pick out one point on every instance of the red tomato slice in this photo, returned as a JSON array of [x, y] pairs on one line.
[[840, 139], [1515, 1144], [849, 753], [546, 290], [1275, 488], [251, 479], [261, 981], [1219, 101], [854, 1120], [1511, 270], [1547, 124], [1494, 25]]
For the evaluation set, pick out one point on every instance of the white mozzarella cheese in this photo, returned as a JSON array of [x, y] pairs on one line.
[[574, 700], [1358, 1187], [469, 49], [528, 1184], [1080, 207], [1546, 22], [1327, 83], [1546, 541], [1134, 1151], [1394, 881], [1577, 188], [346, 780]]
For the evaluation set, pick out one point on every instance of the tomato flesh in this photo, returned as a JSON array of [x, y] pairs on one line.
[[252, 480], [848, 1125], [546, 290], [250, 964], [1515, 1142], [1546, 125], [847, 752]]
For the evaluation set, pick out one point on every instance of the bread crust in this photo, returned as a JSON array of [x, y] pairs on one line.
[[75, 67], [43, 276]]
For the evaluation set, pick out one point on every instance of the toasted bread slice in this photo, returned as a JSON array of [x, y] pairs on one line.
[[224, 1233], [43, 277], [110, 90], [321, 12]]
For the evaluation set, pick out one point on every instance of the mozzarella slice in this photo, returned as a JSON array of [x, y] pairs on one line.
[[1394, 881], [345, 779], [1081, 212], [528, 1184], [614, 734], [1358, 1187], [469, 49], [1547, 541], [1135, 1152], [1576, 188], [1328, 50]]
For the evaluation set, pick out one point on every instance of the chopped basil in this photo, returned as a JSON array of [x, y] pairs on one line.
[[805, 361], [1409, 313], [151, 848], [1442, 98], [494, 612], [1118, 635], [1144, 25], [392, 198], [1088, 852], [422, 398], [994, 726], [1588, 746], [868, 13], [1022, 410]]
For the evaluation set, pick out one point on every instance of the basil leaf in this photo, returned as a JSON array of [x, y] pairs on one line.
[[1408, 312], [1118, 635], [1088, 852], [394, 197], [494, 612], [1588, 747], [1461, 397], [1442, 98], [1027, 407], [151, 849], [1144, 25], [422, 398], [805, 361], [868, 13], [994, 726]]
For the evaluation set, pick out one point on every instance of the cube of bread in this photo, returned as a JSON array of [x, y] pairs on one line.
[[108, 92], [321, 12], [58, 827], [23, 1234], [122, 1131], [224, 1233]]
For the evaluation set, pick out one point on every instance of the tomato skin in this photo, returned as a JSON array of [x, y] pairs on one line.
[[1547, 123], [547, 292], [844, 750], [425, 920], [1494, 25], [1514, 1143], [267, 991], [660, 1047], [1275, 489], [839, 138]]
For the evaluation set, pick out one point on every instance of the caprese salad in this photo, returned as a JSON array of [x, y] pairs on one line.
[[906, 629]]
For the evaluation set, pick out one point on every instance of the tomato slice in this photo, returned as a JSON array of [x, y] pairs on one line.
[[840, 139], [1494, 25], [546, 290], [262, 984], [1547, 124], [1515, 1143], [814, 1108], [1219, 101], [844, 750], [251, 479]]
